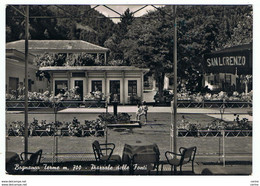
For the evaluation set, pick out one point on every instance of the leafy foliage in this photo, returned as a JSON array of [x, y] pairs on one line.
[[43, 74], [146, 41], [201, 29], [113, 43], [61, 59], [60, 22]]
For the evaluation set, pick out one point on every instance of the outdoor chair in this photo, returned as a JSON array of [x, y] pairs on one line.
[[186, 155], [104, 154], [34, 159]]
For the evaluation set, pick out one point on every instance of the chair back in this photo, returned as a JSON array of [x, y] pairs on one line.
[[97, 150], [34, 159], [188, 154]]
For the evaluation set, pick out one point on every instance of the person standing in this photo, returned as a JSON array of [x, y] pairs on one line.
[[145, 111], [139, 112]]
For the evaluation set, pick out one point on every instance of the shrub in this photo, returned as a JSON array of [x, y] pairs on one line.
[[111, 119], [166, 96], [123, 118], [107, 117]]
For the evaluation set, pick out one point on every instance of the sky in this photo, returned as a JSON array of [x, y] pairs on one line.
[[122, 8]]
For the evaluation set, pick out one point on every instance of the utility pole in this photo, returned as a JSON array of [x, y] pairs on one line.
[[26, 83]]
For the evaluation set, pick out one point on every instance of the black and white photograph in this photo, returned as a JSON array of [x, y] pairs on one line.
[[157, 90]]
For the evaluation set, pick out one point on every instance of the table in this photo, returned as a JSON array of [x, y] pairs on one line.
[[141, 155]]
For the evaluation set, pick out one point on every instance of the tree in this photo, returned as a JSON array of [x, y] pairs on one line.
[[149, 44], [82, 22], [14, 24], [201, 29], [113, 43]]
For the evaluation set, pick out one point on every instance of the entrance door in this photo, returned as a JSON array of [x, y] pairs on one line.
[[115, 90], [60, 86], [79, 85], [13, 85]]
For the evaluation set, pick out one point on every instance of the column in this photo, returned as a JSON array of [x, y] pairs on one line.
[[142, 85], [123, 88], [154, 82], [105, 83], [51, 86], [105, 58], [86, 76], [166, 83], [69, 78]]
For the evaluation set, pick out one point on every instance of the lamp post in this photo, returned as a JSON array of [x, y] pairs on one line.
[[174, 110], [106, 105], [55, 104], [26, 84]]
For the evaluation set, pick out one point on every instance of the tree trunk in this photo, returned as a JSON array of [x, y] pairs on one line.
[[160, 86]]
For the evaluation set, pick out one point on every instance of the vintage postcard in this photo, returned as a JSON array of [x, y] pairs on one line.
[[128, 89]]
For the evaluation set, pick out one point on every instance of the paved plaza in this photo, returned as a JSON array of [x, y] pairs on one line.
[[238, 150]]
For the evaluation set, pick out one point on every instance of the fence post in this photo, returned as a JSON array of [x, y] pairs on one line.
[[56, 150], [219, 151], [223, 146], [222, 109], [53, 154]]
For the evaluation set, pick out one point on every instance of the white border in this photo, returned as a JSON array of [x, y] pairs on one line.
[[125, 180]]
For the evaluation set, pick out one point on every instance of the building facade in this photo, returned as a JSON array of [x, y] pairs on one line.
[[228, 69], [123, 81], [15, 70]]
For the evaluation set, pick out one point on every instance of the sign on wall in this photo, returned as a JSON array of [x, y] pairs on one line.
[[229, 62]]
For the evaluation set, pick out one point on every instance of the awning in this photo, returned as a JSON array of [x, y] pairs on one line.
[[237, 59]]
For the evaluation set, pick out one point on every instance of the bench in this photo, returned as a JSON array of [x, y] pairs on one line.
[[186, 155]]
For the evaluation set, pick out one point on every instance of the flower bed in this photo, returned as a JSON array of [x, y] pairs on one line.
[[236, 128], [73, 128], [46, 96], [95, 95], [208, 97]]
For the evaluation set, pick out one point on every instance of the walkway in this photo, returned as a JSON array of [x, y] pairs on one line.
[[212, 112]]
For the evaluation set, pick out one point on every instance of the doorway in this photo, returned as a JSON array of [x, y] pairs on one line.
[[115, 90], [79, 90], [13, 85]]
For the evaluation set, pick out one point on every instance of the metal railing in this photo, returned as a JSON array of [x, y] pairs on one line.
[[63, 132], [213, 104], [101, 104], [221, 134], [63, 104], [215, 133]]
